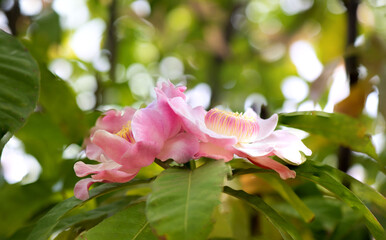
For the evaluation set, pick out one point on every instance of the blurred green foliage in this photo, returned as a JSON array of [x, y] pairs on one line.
[[97, 54]]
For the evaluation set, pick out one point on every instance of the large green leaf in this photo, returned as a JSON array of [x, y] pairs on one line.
[[287, 230], [19, 85], [182, 201], [320, 176], [337, 128], [130, 223], [45, 226]]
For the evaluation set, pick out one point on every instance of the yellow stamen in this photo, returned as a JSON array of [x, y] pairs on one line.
[[126, 132]]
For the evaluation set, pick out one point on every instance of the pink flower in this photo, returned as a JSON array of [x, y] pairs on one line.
[[223, 134], [125, 141]]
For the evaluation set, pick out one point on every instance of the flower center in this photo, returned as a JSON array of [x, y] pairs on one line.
[[244, 128], [126, 132]]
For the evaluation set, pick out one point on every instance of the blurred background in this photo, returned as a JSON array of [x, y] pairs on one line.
[[276, 56]]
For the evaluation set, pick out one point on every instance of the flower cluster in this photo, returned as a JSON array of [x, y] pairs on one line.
[[125, 141]]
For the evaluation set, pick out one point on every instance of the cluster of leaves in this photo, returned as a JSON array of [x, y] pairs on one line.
[[215, 200]]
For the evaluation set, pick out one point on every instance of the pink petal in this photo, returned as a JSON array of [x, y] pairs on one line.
[[81, 188], [115, 175], [81, 169], [168, 90], [112, 145], [113, 120], [129, 155], [210, 150], [266, 162], [139, 155], [180, 148], [93, 151], [155, 125]]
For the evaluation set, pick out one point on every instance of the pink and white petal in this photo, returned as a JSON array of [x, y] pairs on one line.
[[81, 188], [281, 139], [114, 120], [266, 126], [210, 150], [267, 162], [290, 155], [251, 114], [181, 148], [115, 175], [256, 149], [112, 145]]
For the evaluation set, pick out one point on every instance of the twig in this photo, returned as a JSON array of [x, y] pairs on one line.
[[111, 43], [351, 63]]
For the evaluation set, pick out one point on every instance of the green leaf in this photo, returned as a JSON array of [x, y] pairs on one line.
[[44, 140], [289, 195], [130, 223], [19, 85], [362, 190], [232, 220], [287, 230], [320, 176], [58, 100], [337, 128], [182, 201], [44, 31], [45, 226], [95, 214]]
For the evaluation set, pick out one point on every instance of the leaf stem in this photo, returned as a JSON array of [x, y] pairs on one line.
[[192, 164], [164, 165]]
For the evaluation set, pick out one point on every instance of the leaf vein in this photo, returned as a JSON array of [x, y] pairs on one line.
[[187, 201], [140, 230]]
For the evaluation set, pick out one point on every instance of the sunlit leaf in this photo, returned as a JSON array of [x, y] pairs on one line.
[[19, 85], [287, 230], [337, 128], [130, 223], [182, 201], [353, 104], [47, 224]]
